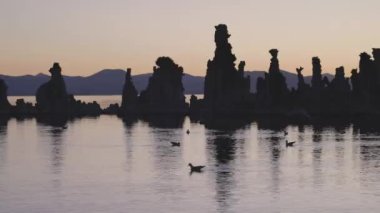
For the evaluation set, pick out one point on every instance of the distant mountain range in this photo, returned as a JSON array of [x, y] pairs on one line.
[[110, 82]]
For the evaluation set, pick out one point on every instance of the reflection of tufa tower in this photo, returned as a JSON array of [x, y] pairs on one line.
[[225, 86]]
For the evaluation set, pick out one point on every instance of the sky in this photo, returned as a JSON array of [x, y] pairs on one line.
[[86, 36]]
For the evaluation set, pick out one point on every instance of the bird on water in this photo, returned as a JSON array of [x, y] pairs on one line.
[[289, 143], [195, 168], [175, 143]]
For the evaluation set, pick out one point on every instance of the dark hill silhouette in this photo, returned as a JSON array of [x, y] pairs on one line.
[[110, 82]]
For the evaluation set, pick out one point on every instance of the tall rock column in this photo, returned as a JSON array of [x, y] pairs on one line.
[[376, 64], [52, 96], [164, 93], [276, 82], [316, 81], [366, 74], [129, 95], [225, 86], [4, 103]]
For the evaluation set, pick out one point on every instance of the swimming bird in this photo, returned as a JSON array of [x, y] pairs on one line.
[[289, 143], [188, 131], [195, 168], [175, 143]]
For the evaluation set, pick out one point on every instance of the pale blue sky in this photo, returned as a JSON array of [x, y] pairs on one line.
[[86, 36]]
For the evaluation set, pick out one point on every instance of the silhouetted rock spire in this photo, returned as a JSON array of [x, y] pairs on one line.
[[355, 82], [301, 81], [4, 104], [316, 81], [225, 86], [276, 90], [129, 95], [367, 78], [164, 93], [52, 96], [274, 67], [340, 83]]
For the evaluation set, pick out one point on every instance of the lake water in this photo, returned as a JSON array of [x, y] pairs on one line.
[[106, 165], [103, 100]]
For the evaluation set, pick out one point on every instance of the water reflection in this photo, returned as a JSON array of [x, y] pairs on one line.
[[133, 166], [272, 124], [222, 148], [226, 124], [317, 153], [129, 121], [3, 141], [370, 165], [369, 155], [166, 156], [165, 121], [274, 140], [130, 126], [53, 128], [275, 149]]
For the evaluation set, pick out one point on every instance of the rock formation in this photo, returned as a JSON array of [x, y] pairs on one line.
[[316, 81], [367, 77], [164, 93], [129, 96], [376, 57], [335, 99], [272, 89], [52, 96], [340, 83], [355, 82], [276, 81], [302, 86], [23, 108], [4, 104], [226, 88]]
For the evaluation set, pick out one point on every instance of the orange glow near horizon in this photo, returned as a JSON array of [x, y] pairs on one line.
[[86, 36]]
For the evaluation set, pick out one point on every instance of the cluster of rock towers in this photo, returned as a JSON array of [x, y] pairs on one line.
[[226, 90], [163, 95]]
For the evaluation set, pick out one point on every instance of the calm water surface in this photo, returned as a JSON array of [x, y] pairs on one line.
[[103, 100], [106, 165]]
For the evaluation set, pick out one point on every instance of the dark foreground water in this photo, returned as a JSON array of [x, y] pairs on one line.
[[106, 165]]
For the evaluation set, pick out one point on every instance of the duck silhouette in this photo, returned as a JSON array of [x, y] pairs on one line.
[[188, 131], [289, 143], [195, 168], [175, 143]]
